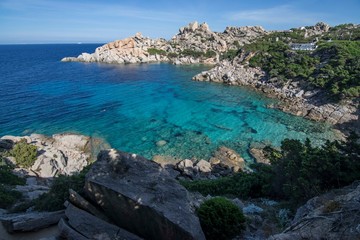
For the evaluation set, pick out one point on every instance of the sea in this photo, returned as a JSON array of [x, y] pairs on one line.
[[134, 106]]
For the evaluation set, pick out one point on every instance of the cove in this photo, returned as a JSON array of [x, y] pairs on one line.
[[134, 106]]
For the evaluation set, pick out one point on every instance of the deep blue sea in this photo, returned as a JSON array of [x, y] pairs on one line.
[[133, 106]]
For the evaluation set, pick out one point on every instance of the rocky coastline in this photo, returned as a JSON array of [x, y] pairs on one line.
[[198, 44], [311, 104]]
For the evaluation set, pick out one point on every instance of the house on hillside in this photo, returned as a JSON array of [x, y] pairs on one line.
[[303, 46]]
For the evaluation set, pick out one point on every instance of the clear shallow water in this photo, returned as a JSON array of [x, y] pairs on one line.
[[134, 106]]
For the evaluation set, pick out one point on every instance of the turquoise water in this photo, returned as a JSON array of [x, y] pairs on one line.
[[134, 106]]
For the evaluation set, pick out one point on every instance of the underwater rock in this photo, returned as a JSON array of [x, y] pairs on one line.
[[161, 143]]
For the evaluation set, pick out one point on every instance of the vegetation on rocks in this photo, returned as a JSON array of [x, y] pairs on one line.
[[154, 51], [59, 191], [229, 55], [25, 154], [301, 171], [334, 66], [8, 196], [243, 185], [8, 180], [220, 219], [198, 54], [298, 171]]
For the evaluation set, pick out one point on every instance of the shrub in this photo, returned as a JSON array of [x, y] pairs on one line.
[[220, 218], [172, 55], [229, 55], [301, 171], [8, 197], [242, 185], [210, 54], [24, 153], [8, 178], [192, 53], [59, 191], [154, 51]]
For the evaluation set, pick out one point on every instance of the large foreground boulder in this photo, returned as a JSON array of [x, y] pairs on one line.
[[91, 227], [141, 197]]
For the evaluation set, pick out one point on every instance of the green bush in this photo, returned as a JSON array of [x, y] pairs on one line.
[[191, 53], [242, 185], [220, 219], [154, 51], [8, 197], [8, 178], [229, 55], [301, 171], [59, 191], [298, 172], [172, 55], [24, 153], [210, 54]]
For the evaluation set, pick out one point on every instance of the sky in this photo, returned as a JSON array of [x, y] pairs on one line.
[[90, 21]]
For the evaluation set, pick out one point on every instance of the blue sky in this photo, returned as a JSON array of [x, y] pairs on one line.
[[66, 21]]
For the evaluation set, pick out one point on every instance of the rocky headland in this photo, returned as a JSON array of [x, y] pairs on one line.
[[195, 43]]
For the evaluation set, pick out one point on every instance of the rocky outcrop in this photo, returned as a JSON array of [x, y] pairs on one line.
[[59, 154], [318, 29], [232, 74], [65, 154], [334, 215], [141, 197], [229, 159], [129, 50], [224, 162], [259, 155], [198, 38], [239, 36]]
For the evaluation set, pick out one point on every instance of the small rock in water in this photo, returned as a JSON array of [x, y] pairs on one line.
[[161, 143]]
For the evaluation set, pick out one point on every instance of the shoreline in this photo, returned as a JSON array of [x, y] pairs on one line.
[[198, 44], [312, 105]]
